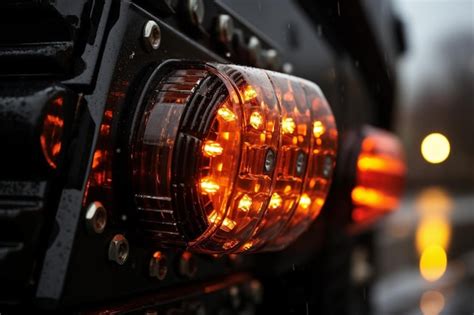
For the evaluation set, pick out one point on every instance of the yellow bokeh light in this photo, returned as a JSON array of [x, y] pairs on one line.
[[318, 128], [433, 263], [435, 148], [305, 201], [433, 231], [209, 186], [245, 203], [431, 303], [275, 201], [226, 114]]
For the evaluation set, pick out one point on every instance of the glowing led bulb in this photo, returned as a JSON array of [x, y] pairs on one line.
[[288, 125], [305, 201], [318, 128], [245, 203], [209, 186], [256, 120], [249, 93], [435, 148], [275, 201], [212, 148], [226, 114]]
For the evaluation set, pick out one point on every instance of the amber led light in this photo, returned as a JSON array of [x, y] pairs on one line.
[[229, 159], [380, 175]]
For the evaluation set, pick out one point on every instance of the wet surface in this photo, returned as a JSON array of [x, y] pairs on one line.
[[426, 255]]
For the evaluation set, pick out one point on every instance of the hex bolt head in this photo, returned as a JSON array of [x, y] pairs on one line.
[[158, 267], [96, 218], [225, 28], [187, 265], [196, 11], [119, 249], [151, 35]]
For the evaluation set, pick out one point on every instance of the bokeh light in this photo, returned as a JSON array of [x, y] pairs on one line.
[[431, 303], [433, 263], [435, 148]]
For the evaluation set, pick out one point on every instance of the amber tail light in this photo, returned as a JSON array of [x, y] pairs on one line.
[[380, 175], [230, 159]]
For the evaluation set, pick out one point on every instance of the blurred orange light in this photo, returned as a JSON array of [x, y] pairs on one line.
[[249, 93], [433, 231], [50, 138], [432, 303], [380, 175], [305, 201], [275, 201], [245, 203]]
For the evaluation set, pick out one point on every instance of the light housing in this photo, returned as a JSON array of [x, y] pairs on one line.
[[230, 159]]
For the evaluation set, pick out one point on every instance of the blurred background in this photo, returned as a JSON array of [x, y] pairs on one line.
[[425, 250]]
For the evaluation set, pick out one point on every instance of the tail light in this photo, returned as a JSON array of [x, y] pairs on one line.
[[380, 175], [230, 159]]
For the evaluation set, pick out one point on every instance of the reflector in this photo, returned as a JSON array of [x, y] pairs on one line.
[[230, 159]]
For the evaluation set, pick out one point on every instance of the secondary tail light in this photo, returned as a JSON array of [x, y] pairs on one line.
[[380, 175], [229, 158]]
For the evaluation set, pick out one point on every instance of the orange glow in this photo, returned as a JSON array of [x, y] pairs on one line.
[[305, 201], [256, 159], [226, 114], [380, 175], [249, 93], [373, 198], [212, 148], [432, 303], [50, 138], [318, 128], [288, 125], [256, 120], [433, 263], [245, 203], [275, 201], [209, 186]]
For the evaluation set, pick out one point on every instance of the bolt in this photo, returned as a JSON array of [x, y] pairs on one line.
[[254, 48], [269, 161], [151, 35], [196, 11], [96, 218], [158, 266], [272, 60], [300, 163], [187, 265], [118, 249], [225, 28]]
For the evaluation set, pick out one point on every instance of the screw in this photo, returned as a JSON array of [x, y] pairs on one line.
[[158, 266], [196, 11], [96, 218], [151, 35], [269, 161], [225, 28], [118, 249], [300, 163], [187, 265]]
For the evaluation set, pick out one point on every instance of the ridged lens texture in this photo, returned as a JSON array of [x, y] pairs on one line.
[[230, 159], [380, 175]]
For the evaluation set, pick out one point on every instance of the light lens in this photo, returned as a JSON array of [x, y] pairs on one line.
[[380, 175], [230, 159]]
